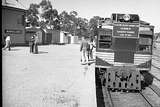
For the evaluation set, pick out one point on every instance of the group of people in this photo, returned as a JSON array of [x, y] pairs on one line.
[[33, 43], [86, 48]]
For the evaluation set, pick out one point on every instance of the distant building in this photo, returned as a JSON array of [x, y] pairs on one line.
[[13, 21]]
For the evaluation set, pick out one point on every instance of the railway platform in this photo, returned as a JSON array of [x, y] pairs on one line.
[[52, 78], [56, 78]]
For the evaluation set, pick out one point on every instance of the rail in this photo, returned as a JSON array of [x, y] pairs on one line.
[[145, 100], [149, 102], [155, 89], [112, 100]]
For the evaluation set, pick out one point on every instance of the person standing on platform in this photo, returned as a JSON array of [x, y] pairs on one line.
[[83, 50], [94, 48], [91, 49], [8, 43], [31, 44], [36, 44], [88, 48]]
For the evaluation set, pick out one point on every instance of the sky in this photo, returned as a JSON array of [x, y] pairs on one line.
[[148, 10]]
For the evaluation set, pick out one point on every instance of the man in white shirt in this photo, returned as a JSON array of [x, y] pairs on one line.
[[8, 43]]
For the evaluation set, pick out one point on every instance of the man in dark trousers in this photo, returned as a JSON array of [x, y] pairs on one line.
[[83, 49], [36, 44], [31, 44]]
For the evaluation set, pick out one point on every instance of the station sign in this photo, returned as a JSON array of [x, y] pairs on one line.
[[123, 30], [13, 31]]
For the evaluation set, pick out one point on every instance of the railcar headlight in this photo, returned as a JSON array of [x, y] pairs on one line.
[[126, 17]]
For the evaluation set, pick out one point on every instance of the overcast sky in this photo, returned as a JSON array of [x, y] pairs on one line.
[[148, 10]]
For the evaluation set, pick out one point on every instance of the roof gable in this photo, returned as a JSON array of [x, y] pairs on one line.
[[13, 3]]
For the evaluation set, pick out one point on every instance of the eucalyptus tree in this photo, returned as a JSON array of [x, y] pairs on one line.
[[93, 23], [70, 22], [49, 16], [32, 18]]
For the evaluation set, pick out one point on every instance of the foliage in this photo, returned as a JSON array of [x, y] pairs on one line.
[[73, 24], [32, 15], [50, 15], [93, 23], [45, 16]]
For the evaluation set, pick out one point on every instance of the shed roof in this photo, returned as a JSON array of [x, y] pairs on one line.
[[14, 4]]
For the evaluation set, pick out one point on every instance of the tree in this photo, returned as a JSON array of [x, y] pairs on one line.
[[93, 23], [32, 18], [50, 15], [73, 24], [65, 23], [73, 13], [68, 21], [83, 27]]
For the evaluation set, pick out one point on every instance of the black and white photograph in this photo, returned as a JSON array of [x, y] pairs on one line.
[[80, 53]]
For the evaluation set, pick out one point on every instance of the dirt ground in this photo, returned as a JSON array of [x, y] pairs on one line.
[[52, 78]]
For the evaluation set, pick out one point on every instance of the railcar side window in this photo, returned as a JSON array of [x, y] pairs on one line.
[[145, 41], [145, 44]]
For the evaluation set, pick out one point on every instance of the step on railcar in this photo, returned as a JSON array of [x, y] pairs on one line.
[[124, 52]]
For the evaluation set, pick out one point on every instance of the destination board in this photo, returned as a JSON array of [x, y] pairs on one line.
[[126, 30]]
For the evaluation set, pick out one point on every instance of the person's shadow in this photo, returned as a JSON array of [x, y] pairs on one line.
[[12, 49], [42, 52]]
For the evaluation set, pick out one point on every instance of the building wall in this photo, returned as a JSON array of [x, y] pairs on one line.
[[55, 36], [13, 23]]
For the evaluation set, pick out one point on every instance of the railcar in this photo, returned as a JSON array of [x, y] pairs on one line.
[[124, 52]]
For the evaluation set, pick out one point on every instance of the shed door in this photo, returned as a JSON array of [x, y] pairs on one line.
[[49, 38]]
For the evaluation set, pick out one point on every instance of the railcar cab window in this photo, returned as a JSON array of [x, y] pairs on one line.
[[104, 39]]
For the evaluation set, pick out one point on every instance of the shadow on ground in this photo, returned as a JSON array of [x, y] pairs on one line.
[[15, 49], [42, 52]]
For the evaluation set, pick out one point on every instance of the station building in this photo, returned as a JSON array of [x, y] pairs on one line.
[[13, 22]]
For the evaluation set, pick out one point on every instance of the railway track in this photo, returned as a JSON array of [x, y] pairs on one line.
[[131, 99], [149, 102], [155, 67], [149, 97], [155, 89]]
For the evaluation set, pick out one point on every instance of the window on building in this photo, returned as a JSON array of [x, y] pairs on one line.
[[21, 20]]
